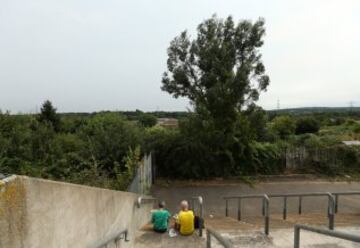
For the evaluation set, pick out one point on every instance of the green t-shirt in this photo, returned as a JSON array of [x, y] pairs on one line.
[[160, 219]]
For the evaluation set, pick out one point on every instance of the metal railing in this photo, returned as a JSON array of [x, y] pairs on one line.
[[142, 199], [266, 204], [265, 207], [331, 203], [331, 233], [199, 201], [3, 176], [337, 197], [115, 238], [223, 241]]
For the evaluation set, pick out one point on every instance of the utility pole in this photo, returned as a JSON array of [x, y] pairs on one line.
[[351, 104], [278, 104]]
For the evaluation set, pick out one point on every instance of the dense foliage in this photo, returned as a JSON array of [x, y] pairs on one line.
[[92, 151], [307, 125], [283, 126], [103, 149]]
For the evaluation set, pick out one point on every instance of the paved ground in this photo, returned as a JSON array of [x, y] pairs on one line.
[[148, 239], [214, 204], [284, 238], [249, 232]]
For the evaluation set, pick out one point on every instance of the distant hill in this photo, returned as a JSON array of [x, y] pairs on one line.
[[132, 115], [312, 110]]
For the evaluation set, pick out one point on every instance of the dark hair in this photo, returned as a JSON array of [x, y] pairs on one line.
[[161, 204]]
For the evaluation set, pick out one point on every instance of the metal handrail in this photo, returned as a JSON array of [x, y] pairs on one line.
[[112, 238], [223, 241], [142, 199], [265, 207], [3, 176], [200, 201], [338, 194], [331, 233], [331, 203], [266, 203]]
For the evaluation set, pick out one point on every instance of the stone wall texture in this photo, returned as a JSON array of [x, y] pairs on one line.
[[42, 213]]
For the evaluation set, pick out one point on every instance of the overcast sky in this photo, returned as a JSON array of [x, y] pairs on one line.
[[91, 55]]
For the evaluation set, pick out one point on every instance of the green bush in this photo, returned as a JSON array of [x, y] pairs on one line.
[[147, 120], [307, 125], [264, 159], [283, 126], [89, 151], [356, 128]]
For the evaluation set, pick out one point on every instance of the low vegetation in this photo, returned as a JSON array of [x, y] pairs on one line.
[[99, 150]]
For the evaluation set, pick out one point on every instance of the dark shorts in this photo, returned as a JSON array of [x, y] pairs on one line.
[[160, 231]]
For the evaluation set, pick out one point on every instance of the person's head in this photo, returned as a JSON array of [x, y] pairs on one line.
[[162, 204], [184, 205]]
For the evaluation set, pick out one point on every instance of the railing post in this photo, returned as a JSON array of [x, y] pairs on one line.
[[239, 209], [296, 237], [267, 218], [331, 208], [208, 239], [263, 207], [267, 225], [300, 204], [285, 208], [331, 221], [201, 216], [336, 203], [138, 202], [226, 208]]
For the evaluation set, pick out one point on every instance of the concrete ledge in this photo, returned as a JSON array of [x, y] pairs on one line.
[[43, 213]]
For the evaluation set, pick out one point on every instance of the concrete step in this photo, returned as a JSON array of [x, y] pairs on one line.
[[284, 238], [227, 223], [249, 232], [341, 220], [277, 222], [149, 239]]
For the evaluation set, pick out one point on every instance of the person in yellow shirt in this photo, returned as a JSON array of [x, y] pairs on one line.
[[185, 221]]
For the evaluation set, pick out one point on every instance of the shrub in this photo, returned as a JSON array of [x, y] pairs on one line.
[[356, 128], [283, 126], [264, 159], [147, 120], [307, 125]]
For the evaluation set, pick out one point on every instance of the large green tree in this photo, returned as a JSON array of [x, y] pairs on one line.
[[221, 72]]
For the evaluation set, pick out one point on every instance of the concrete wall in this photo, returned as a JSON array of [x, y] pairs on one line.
[[41, 213]]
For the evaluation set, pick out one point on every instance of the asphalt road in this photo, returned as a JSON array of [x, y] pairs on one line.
[[214, 204]]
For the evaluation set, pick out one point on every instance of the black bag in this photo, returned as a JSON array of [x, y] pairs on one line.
[[198, 222]]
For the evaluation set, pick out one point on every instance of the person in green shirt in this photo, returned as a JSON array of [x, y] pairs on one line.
[[160, 218]]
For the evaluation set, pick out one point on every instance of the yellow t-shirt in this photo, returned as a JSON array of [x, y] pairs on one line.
[[186, 221]]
